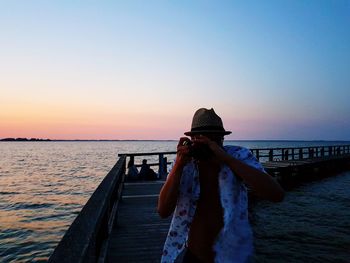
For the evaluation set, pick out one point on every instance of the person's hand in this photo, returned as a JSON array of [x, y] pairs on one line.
[[217, 150], [182, 153]]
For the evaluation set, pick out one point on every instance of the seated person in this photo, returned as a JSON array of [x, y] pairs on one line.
[[132, 172], [146, 173]]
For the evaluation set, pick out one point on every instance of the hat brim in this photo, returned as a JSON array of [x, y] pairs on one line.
[[189, 133]]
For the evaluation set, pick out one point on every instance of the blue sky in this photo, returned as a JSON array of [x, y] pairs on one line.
[[139, 69]]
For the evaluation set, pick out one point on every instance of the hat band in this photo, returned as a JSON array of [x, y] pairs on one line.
[[208, 128]]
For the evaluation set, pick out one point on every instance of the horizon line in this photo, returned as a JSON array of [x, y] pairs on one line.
[[19, 139]]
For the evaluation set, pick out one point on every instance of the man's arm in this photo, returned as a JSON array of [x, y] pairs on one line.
[[170, 191], [261, 183]]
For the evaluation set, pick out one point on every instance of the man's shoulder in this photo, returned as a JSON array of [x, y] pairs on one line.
[[238, 152]]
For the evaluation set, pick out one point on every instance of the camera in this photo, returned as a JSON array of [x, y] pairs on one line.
[[198, 151]]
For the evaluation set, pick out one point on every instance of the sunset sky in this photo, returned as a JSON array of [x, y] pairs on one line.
[[139, 69]]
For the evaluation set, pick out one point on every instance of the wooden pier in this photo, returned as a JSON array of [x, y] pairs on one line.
[[119, 223], [139, 233]]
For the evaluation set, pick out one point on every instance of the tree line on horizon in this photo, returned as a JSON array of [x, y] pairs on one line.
[[23, 139]]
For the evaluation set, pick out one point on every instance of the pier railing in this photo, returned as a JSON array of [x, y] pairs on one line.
[[300, 153], [162, 160], [262, 154], [85, 240]]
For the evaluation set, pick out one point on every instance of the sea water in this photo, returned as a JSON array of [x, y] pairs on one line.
[[44, 185]]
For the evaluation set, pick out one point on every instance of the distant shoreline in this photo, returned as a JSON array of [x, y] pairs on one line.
[[71, 140], [23, 140]]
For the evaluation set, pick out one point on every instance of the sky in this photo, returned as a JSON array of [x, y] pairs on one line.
[[272, 70]]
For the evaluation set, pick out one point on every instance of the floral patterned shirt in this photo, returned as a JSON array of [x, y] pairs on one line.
[[234, 242]]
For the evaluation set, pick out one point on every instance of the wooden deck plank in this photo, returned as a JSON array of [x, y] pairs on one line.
[[140, 233]]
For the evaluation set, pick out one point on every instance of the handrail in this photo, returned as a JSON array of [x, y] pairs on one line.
[[85, 238], [301, 153], [268, 154], [144, 154], [162, 161]]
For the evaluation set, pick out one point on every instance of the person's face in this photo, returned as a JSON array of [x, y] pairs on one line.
[[218, 138]]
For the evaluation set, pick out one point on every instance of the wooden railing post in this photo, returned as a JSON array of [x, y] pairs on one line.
[[271, 155], [322, 152], [338, 150], [311, 153], [161, 166], [165, 167], [301, 155], [132, 159]]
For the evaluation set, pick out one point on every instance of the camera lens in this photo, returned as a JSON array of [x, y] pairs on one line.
[[185, 143]]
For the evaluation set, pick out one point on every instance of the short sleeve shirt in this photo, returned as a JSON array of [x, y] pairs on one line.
[[234, 242]]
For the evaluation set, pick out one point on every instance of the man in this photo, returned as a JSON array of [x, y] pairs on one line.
[[206, 191]]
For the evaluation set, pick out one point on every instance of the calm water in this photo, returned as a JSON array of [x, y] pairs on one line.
[[43, 186]]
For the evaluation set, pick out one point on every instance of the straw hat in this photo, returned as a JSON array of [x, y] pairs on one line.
[[206, 121]]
